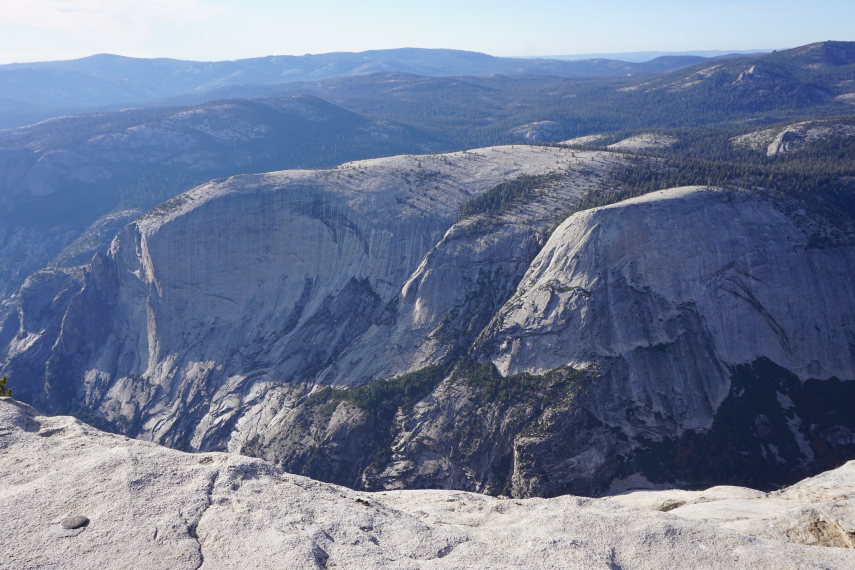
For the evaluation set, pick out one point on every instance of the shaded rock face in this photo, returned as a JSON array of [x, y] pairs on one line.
[[771, 428], [265, 314], [784, 142], [102, 500]]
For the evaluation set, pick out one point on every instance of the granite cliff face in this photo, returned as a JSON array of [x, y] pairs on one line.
[[251, 288], [418, 321], [68, 185], [675, 297], [77, 497]]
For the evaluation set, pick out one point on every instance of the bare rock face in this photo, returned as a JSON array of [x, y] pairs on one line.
[[354, 325], [642, 142], [537, 131], [246, 292], [717, 292], [68, 185], [635, 279], [585, 140], [149, 507]]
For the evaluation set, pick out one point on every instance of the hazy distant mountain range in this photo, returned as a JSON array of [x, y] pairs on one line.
[[642, 56], [35, 91]]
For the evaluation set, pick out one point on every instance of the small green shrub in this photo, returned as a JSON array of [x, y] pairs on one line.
[[4, 393], [670, 506]]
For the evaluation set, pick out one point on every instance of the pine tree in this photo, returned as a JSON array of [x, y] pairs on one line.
[[4, 393]]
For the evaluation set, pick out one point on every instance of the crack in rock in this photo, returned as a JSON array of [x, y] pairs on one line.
[[192, 527]]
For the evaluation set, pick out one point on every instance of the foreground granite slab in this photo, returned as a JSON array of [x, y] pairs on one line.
[[76, 497], [817, 511]]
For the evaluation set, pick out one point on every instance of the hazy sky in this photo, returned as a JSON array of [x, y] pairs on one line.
[[230, 29]]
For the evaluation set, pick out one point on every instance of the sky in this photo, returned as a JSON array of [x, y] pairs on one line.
[[39, 30]]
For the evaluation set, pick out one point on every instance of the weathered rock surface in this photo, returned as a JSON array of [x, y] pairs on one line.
[[640, 142], [67, 185], [818, 511], [584, 140], [692, 285], [537, 131], [150, 507], [640, 266]]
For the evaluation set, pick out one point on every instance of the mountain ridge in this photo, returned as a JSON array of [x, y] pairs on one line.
[[107, 81]]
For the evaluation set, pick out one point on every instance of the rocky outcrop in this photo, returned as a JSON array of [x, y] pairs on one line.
[[77, 497], [537, 131], [641, 269], [585, 140], [819, 511], [644, 142], [344, 323], [798, 137], [684, 307]]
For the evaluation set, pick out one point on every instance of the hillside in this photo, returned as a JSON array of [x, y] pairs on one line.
[[807, 137], [67, 181], [664, 297], [784, 82]]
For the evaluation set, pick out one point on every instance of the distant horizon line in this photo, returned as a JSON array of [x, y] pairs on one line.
[[639, 56]]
